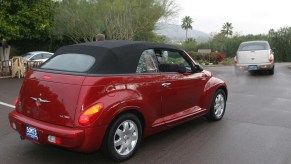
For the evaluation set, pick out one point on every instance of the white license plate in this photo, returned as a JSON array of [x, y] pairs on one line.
[[31, 132], [253, 67]]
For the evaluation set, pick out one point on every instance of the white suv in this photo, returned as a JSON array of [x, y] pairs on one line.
[[253, 56]]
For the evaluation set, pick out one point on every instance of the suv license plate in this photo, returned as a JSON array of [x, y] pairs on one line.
[[31, 132], [253, 67]]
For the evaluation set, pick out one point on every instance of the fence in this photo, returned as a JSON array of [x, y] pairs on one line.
[[6, 67]]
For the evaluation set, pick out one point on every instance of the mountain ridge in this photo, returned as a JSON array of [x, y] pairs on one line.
[[175, 33]]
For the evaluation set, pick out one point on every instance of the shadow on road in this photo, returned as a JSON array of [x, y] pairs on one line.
[[259, 73]]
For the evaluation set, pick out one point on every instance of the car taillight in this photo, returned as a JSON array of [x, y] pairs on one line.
[[90, 114], [54, 139], [235, 60], [271, 59], [16, 101]]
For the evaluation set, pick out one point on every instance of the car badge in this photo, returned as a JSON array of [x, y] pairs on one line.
[[39, 100]]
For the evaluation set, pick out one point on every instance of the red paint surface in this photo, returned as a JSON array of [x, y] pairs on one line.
[[188, 96]]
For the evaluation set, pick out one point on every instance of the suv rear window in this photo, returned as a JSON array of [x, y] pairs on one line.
[[253, 46], [70, 62]]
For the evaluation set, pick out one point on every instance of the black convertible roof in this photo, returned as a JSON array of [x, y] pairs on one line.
[[122, 43], [114, 56]]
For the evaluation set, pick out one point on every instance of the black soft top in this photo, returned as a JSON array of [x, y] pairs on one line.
[[114, 57]]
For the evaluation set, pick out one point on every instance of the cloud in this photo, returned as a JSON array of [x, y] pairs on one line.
[[248, 16]]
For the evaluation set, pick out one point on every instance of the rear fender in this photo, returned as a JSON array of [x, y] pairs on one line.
[[130, 100], [117, 102]]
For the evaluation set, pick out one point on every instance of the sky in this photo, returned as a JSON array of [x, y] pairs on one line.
[[246, 16]]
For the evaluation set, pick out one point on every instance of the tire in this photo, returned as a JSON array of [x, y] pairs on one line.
[[122, 137], [217, 108], [271, 71]]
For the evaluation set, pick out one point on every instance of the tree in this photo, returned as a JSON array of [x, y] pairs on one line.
[[228, 46], [135, 19], [189, 45], [227, 29], [81, 20], [24, 19], [186, 24], [281, 43], [78, 20]]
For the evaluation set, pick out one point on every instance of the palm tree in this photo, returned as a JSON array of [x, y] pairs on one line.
[[227, 29], [186, 24]]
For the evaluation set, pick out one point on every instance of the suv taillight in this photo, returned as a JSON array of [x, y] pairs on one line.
[[271, 58], [91, 114], [235, 60]]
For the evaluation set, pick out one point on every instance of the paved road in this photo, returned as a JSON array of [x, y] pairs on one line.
[[256, 129]]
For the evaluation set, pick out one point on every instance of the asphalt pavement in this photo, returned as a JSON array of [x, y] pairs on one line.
[[256, 128]]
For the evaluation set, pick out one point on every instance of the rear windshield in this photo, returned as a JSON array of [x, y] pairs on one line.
[[27, 56], [253, 46], [70, 62]]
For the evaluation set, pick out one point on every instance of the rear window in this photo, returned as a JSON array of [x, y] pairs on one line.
[[253, 46], [70, 62], [27, 56], [46, 55]]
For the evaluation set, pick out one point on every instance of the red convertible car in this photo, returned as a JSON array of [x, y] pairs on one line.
[[108, 95]]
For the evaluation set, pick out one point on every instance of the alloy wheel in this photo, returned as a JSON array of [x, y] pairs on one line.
[[125, 137], [219, 105]]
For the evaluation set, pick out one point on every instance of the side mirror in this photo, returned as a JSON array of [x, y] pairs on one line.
[[198, 68]]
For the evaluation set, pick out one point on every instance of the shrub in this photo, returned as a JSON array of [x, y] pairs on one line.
[[195, 55], [227, 61], [213, 57]]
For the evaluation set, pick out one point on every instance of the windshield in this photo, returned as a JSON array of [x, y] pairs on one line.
[[253, 46]]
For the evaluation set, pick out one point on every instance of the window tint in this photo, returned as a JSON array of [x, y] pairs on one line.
[[70, 62], [36, 57], [27, 56], [169, 60], [46, 55], [147, 62], [254, 46]]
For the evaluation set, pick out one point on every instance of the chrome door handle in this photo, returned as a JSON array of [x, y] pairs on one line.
[[166, 85]]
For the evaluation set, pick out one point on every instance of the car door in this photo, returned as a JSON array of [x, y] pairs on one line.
[[146, 85], [180, 92]]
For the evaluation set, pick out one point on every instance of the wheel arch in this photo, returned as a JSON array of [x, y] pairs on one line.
[[136, 112], [224, 89], [105, 147]]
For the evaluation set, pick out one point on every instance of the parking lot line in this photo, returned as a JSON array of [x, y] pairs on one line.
[[8, 105]]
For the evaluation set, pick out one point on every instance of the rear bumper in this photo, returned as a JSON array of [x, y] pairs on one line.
[[261, 66], [78, 139]]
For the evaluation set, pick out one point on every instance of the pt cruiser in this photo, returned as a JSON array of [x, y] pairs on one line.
[[254, 56], [108, 95]]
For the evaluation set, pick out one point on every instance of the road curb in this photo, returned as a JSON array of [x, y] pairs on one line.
[[5, 77]]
